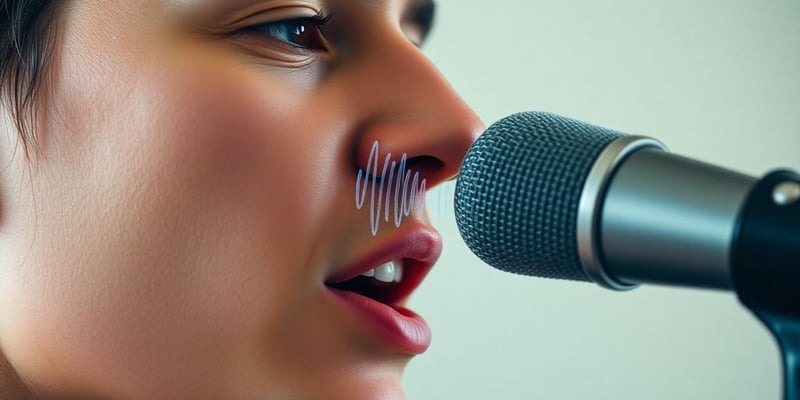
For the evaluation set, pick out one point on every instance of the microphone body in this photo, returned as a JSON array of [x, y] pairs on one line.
[[660, 218], [543, 195]]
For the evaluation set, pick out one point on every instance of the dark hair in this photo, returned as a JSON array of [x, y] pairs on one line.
[[27, 36]]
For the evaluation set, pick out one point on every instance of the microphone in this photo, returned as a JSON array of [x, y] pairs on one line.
[[543, 195]]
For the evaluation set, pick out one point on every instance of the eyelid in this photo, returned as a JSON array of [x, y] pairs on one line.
[[276, 14], [414, 33], [317, 23], [249, 33]]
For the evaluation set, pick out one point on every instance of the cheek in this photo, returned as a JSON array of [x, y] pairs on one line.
[[193, 203], [255, 150]]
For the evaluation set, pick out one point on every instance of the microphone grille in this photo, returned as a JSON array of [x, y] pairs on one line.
[[519, 189]]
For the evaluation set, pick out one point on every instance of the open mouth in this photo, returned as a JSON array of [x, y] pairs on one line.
[[389, 283], [372, 291], [375, 301], [384, 284]]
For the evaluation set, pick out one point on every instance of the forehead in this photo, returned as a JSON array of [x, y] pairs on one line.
[[119, 16], [223, 5]]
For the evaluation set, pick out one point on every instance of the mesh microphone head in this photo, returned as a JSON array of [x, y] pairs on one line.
[[518, 193]]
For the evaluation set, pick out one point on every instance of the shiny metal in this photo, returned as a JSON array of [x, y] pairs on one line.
[[668, 219], [786, 193], [589, 207]]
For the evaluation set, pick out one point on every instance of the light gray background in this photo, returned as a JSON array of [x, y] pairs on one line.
[[715, 80]]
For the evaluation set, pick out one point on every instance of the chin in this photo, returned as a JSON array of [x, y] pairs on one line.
[[371, 392], [362, 385]]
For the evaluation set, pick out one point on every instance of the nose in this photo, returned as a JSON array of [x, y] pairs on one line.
[[409, 108]]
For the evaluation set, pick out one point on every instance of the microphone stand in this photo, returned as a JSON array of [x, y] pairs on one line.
[[766, 266]]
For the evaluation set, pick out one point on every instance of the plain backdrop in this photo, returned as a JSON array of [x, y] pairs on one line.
[[715, 80]]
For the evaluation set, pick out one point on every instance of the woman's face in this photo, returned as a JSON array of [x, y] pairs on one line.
[[188, 225]]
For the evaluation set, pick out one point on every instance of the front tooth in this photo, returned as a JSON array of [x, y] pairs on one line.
[[398, 273], [386, 272], [369, 273]]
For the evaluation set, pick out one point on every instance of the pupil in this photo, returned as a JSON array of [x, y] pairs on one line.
[[302, 36]]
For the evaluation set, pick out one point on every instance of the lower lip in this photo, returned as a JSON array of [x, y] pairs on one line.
[[394, 325]]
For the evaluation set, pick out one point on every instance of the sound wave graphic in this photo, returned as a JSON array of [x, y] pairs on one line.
[[404, 193]]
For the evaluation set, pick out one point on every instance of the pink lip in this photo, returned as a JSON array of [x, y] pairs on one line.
[[389, 321]]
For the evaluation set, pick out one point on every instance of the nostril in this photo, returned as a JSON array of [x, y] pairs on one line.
[[425, 164], [381, 162], [429, 167]]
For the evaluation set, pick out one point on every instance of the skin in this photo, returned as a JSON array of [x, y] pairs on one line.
[[194, 190]]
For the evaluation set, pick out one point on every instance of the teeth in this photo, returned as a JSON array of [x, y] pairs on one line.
[[385, 272], [390, 272]]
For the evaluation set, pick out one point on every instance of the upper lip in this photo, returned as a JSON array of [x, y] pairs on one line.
[[418, 249]]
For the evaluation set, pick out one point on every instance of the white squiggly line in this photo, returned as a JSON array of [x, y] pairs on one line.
[[412, 197]]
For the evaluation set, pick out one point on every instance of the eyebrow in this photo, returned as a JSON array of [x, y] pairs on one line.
[[422, 14]]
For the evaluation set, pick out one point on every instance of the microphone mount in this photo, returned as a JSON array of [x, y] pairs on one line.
[[766, 265]]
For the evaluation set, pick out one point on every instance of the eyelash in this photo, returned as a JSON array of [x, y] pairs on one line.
[[283, 30]]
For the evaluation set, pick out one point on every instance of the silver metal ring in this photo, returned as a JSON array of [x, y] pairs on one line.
[[589, 208]]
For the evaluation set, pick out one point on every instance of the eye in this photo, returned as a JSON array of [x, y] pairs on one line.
[[304, 33]]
